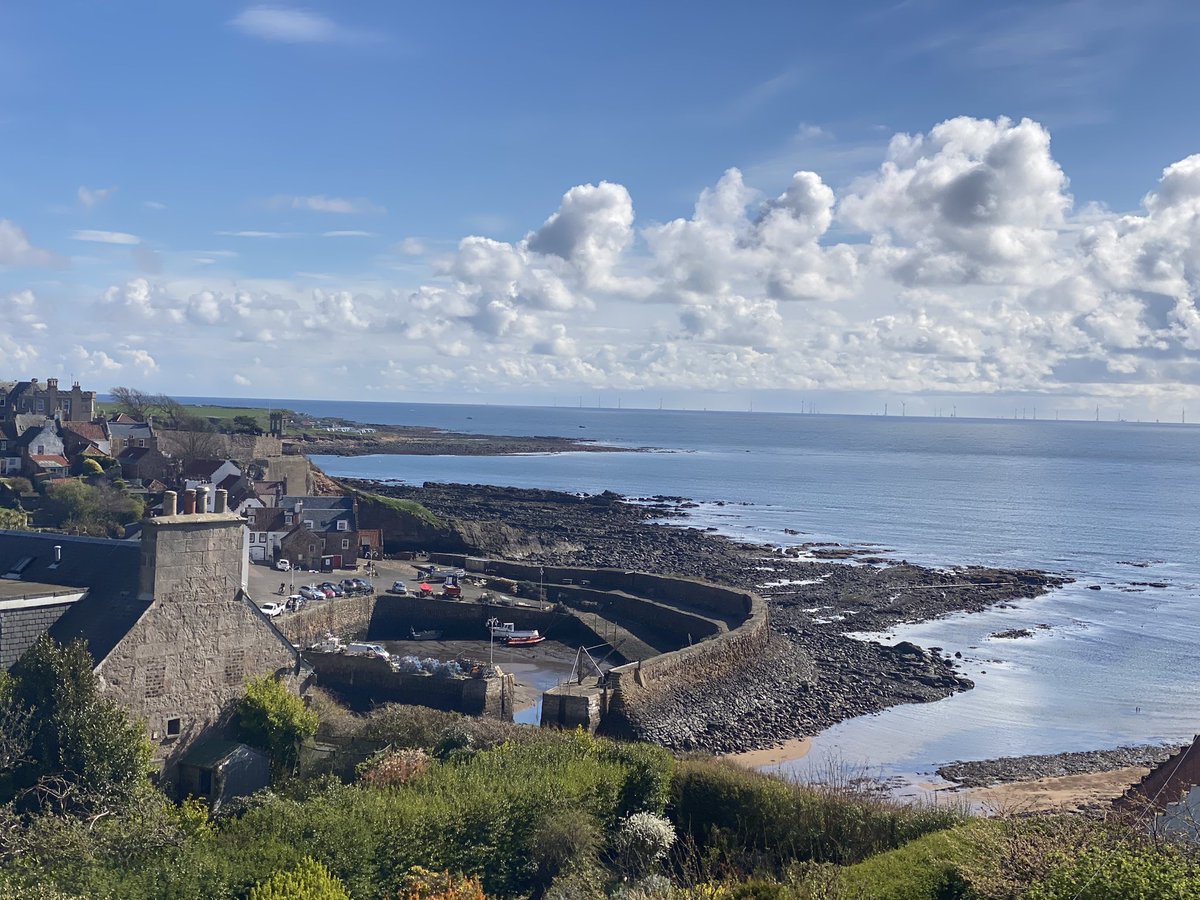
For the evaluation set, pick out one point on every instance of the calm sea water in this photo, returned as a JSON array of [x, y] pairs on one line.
[[1085, 499]]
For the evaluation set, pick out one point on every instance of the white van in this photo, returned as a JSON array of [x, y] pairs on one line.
[[355, 648]]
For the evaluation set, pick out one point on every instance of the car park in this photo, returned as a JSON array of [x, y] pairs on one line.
[[271, 609]]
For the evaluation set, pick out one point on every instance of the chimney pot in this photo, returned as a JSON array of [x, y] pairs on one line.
[[58, 553], [221, 501], [189, 502], [169, 500], [202, 499]]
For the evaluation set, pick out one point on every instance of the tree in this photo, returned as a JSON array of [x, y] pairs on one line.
[[245, 425], [132, 402], [195, 438], [101, 509], [274, 719], [85, 754]]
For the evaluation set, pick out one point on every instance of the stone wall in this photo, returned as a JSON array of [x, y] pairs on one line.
[[349, 617], [367, 681], [21, 627], [186, 660]]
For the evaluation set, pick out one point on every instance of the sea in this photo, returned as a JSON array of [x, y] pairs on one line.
[[1113, 505]]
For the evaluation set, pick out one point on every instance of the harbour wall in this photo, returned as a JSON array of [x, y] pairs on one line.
[[367, 681]]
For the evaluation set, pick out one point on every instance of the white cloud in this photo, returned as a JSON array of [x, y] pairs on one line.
[[293, 26], [411, 246], [323, 204], [336, 234], [258, 234], [16, 249], [90, 197], [105, 237]]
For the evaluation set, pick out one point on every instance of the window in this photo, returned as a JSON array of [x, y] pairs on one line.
[[41, 406], [252, 537], [65, 406], [3, 445], [345, 543], [343, 525], [174, 727], [287, 518], [308, 523], [262, 537], [41, 449]]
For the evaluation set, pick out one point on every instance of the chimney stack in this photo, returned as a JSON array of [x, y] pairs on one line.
[[189, 502], [169, 500], [221, 501]]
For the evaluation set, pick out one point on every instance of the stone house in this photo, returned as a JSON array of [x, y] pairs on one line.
[[39, 442], [124, 431], [145, 464], [167, 620], [77, 437], [46, 400], [325, 530]]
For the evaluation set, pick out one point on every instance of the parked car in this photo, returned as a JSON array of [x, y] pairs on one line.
[[353, 586], [283, 565], [330, 586], [364, 586], [358, 649], [398, 587], [312, 592], [271, 609], [295, 601]]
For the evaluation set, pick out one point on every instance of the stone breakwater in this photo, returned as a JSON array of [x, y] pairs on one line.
[[808, 675], [1008, 769]]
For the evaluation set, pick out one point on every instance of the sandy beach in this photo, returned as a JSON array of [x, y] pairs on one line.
[[797, 748], [1065, 793]]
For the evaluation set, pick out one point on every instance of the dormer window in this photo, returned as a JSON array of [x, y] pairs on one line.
[[343, 525], [308, 523]]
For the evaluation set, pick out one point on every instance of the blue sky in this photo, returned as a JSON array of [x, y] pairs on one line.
[[267, 179]]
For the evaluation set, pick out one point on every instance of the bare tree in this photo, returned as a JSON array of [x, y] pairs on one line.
[[133, 402]]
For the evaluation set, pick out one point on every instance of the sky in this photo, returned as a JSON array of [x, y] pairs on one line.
[[985, 207]]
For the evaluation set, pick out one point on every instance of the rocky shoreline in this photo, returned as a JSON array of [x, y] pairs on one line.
[[1009, 769], [811, 675]]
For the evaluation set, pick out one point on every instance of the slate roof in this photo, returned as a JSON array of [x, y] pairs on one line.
[[202, 469], [131, 430], [268, 518], [107, 568], [210, 751], [323, 511], [132, 454]]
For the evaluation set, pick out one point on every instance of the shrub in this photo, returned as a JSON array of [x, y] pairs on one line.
[[307, 881], [758, 820], [566, 841], [641, 840], [422, 884], [394, 768], [274, 719], [1100, 873]]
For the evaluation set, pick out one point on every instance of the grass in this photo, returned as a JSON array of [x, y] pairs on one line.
[[261, 415], [410, 507]]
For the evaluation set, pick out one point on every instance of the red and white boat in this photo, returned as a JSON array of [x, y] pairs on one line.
[[524, 641]]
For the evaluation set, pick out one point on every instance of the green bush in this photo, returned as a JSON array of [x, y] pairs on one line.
[[308, 880], [274, 719], [763, 821], [1102, 873]]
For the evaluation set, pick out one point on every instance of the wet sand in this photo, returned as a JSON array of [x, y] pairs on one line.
[[789, 750], [1064, 793]]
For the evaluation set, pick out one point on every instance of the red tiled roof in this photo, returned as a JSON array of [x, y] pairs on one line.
[[92, 431], [50, 459]]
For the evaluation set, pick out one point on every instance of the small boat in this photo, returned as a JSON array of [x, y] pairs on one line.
[[428, 634], [526, 641]]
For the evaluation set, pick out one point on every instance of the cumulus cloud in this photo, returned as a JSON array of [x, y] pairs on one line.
[[89, 197], [959, 265], [17, 250]]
